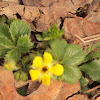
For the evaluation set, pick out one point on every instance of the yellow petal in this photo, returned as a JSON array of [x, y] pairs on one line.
[[46, 79], [37, 61], [57, 69], [34, 74], [47, 58]]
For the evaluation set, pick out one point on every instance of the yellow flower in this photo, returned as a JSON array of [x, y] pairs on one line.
[[43, 68]]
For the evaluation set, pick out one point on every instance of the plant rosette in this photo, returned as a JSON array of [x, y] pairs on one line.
[[45, 68]]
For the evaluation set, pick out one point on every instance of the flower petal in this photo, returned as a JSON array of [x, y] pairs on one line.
[[37, 61], [34, 74], [46, 79], [57, 69], [47, 58]]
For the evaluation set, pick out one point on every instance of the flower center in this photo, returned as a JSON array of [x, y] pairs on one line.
[[44, 69]]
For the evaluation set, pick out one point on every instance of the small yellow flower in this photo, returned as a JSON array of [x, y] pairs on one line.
[[43, 68]]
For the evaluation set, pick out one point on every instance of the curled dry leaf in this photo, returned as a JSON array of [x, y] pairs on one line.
[[56, 90]]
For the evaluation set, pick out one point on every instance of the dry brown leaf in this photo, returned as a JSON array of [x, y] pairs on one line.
[[14, 1], [56, 90], [80, 27], [78, 97], [42, 17]]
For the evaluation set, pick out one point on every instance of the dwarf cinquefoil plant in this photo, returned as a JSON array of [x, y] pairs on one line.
[[45, 68], [14, 40]]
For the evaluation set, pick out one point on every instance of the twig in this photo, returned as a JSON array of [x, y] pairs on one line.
[[79, 38], [89, 39], [93, 36], [29, 81], [88, 91], [92, 40]]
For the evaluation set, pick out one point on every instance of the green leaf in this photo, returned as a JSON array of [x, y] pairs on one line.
[[83, 83], [17, 75], [19, 28], [3, 51], [53, 33], [13, 54], [25, 60], [93, 55], [3, 19], [5, 40], [58, 48], [47, 38], [23, 76], [88, 50], [6, 43], [4, 31], [74, 55], [92, 69], [71, 74], [9, 21], [24, 44], [39, 37], [20, 75]]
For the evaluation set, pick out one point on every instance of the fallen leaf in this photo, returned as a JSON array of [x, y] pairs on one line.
[[42, 17], [78, 97], [56, 90], [14, 1]]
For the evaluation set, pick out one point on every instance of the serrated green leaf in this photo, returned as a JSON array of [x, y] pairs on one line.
[[4, 31], [92, 55], [19, 28], [9, 21], [17, 75], [92, 69], [58, 48], [5, 40], [3, 50], [25, 60], [6, 43], [83, 83], [71, 74], [74, 55], [24, 44], [13, 54], [53, 33], [88, 50], [23, 76]]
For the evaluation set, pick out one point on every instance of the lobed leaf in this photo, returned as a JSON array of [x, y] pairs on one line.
[[74, 55], [4, 31], [19, 28], [93, 55], [13, 54], [24, 44], [58, 48], [71, 74], [92, 69], [5, 40], [88, 50]]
